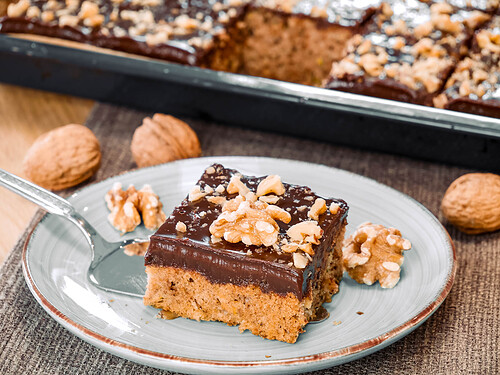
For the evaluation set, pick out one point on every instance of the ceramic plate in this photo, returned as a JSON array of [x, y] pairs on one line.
[[56, 258]]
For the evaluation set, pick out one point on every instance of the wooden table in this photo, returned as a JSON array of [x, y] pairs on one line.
[[26, 114]]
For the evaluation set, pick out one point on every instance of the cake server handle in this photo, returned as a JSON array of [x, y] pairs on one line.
[[49, 201], [36, 194]]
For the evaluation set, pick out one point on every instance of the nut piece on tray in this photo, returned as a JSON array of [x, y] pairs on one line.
[[474, 86], [248, 250], [374, 252], [128, 206], [406, 52]]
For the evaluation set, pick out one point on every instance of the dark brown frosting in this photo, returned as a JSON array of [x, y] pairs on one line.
[[192, 45], [479, 74], [237, 263], [404, 27], [187, 45]]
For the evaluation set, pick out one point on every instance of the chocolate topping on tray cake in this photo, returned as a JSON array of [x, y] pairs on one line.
[[403, 50], [177, 30], [474, 86], [223, 35], [240, 263], [407, 51]]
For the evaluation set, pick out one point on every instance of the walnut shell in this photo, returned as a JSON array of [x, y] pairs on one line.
[[162, 139], [63, 157], [472, 203]]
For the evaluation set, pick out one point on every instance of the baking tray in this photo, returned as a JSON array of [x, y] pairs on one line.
[[252, 102]]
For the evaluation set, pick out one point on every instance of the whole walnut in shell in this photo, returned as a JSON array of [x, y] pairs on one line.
[[163, 138], [63, 157], [472, 203]]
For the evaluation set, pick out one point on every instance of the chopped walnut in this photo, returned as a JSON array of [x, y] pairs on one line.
[[247, 222], [47, 16], [127, 207], [88, 9], [277, 213], [18, 9], [124, 215], [370, 64], [271, 184], [33, 12], [423, 30], [318, 208], [270, 199], [334, 208], [489, 41], [217, 200], [236, 186], [305, 231], [440, 101], [374, 252], [180, 227], [196, 194], [68, 20], [300, 260], [220, 189]]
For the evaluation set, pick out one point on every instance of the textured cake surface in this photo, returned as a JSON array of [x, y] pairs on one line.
[[474, 86], [240, 273], [407, 51]]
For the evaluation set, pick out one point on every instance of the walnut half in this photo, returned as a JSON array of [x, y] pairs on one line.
[[374, 252], [127, 207]]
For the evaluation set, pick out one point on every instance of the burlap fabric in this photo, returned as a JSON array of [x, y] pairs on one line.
[[460, 338]]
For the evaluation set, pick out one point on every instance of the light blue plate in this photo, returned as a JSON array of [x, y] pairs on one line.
[[56, 258]]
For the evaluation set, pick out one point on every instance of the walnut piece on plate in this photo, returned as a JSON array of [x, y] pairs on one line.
[[128, 206], [375, 253]]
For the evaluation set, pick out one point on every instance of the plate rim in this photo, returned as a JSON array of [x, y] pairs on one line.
[[371, 345]]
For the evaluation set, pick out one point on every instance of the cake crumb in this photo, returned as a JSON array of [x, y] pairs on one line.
[[359, 312], [336, 322]]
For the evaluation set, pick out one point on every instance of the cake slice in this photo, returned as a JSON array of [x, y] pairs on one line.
[[407, 51], [248, 251]]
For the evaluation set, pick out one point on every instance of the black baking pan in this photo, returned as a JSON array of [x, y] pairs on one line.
[[252, 102]]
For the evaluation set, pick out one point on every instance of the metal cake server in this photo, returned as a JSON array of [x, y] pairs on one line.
[[110, 268]]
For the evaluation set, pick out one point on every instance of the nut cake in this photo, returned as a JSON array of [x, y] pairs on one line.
[[407, 51], [474, 86], [293, 40], [248, 251], [403, 50]]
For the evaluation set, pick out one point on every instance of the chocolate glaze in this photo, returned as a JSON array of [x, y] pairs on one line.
[[347, 13], [381, 88], [225, 262], [481, 59], [177, 49], [382, 32]]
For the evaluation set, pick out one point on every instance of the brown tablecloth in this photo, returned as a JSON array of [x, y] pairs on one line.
[[460, 338]]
